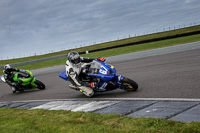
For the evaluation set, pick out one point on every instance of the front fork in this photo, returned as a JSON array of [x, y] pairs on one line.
[[117, 80]]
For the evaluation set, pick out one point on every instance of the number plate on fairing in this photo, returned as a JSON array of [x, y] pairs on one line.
[[103, 70]]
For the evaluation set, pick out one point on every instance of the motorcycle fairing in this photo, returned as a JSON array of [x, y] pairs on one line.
[[63, 75], [107, 73], [103, 71], [26, 77]]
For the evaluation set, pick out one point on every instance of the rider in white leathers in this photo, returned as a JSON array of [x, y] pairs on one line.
[[73, 68]]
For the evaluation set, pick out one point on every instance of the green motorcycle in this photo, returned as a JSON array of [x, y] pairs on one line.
[[26, 80]]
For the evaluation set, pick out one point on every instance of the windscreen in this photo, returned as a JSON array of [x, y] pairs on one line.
[[94, 68]]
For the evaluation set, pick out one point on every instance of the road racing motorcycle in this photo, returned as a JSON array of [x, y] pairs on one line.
[[27, 81], [105, 76]]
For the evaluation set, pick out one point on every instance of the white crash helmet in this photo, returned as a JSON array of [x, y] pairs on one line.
[[7, 66]]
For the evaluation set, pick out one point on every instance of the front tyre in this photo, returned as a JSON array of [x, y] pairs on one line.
[[40, 85], [129, 85]]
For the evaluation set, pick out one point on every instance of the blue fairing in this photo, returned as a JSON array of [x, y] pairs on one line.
[[103, 71], [63, 75], [106, 72], [105, 78]]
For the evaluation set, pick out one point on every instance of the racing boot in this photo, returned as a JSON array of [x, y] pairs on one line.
[[88, 91], [14, 90], [74, 87]]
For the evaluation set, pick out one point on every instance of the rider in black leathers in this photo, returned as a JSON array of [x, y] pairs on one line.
[[8, 75]]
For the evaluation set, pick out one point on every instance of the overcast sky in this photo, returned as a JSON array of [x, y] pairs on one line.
[[41, 26]]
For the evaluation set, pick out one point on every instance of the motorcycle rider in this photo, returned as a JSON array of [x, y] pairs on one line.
[[73, 68], [8, 75]]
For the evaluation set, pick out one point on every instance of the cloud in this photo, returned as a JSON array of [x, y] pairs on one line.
[[188, 1], [53, 25]]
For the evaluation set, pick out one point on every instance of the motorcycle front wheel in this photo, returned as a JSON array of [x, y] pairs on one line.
[[40, 85], [129, 85]]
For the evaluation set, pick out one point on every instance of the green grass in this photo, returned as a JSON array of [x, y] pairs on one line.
[[116, 51], [36, 121], [46, 121], [107, 44]]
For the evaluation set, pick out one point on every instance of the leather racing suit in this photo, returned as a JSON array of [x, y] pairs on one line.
[[73, 72]]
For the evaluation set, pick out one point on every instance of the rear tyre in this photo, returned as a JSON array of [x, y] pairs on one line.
[[129, 85], [40, 85]]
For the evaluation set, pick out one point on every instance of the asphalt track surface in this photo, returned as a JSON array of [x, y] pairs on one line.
[[172, 74], [168, 81]]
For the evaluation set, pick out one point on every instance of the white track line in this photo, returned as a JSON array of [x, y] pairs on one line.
[[116, 99]]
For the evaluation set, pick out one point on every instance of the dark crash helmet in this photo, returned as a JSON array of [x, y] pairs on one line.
[[74, 58]]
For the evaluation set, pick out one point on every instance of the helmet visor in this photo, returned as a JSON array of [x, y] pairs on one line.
[[76, 61]]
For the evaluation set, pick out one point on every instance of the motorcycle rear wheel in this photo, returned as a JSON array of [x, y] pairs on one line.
[[40, 85], [129, 84]]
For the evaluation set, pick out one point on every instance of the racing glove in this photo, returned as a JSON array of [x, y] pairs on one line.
[[93, 85], [103, 59]]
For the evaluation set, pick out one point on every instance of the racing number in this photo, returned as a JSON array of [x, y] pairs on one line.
[[102, 71]]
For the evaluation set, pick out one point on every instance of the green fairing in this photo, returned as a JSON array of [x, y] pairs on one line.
[[15, 77], [25, 81]]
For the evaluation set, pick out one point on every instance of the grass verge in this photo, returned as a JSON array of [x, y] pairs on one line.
[[21, 120], [107, 44], [116, 51], [40, 121]]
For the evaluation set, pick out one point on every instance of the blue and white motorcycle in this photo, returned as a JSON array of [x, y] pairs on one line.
[[105, 76]]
